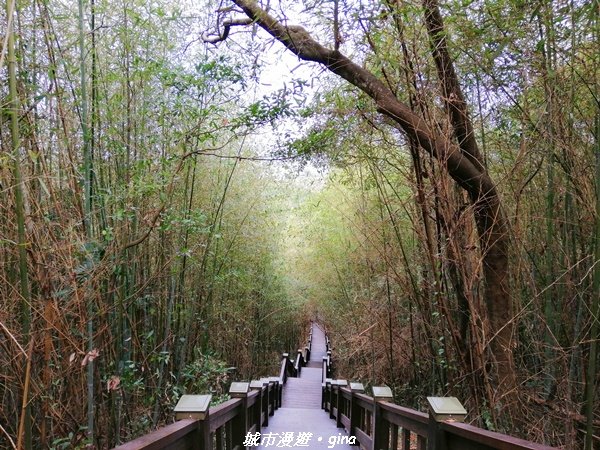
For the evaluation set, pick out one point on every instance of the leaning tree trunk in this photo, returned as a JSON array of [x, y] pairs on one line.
[[459, 156], [491, 223]]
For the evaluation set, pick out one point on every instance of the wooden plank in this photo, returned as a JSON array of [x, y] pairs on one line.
[[457, 434], [224, 412], [364, 439], [303, 392], [315, 421], [406, 418], [163, 437]]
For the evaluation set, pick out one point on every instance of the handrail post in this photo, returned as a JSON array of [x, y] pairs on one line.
[[273, 397], [205, 441], [332, 394], [440, 410], [257, 385], [284, 367], [266, 405], [196, 407], [298, 365], [278, 387], [354, 410], [339, 402], [266, 400], [327, 395], [239, 425], [381, 429]]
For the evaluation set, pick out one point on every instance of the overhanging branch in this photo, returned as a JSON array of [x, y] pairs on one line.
[[227, 24]]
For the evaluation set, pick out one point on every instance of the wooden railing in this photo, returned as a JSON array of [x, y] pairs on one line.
[[327, 362], [303, 355], [226, 425], [223, 426], [377, 423]]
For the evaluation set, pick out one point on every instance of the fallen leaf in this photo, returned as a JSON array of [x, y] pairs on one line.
[[91, 355]]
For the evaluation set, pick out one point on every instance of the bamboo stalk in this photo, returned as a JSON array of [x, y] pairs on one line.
[[87, 221], [25, 412]]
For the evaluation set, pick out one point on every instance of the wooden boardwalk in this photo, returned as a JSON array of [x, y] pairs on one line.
[[377, 422], [301, 408]]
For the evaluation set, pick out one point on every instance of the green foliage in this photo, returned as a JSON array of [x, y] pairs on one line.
[[315, 142], [266, 111], [208, 375]]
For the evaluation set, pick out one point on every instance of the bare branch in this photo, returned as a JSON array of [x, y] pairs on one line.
[[227, 24], [462, 160], [153, 220]]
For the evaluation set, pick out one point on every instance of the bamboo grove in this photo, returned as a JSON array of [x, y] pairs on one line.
[[155, 241], [134, 266]]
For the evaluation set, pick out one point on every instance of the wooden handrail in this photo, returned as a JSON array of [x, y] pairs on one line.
[[399, 423], [459, 434], [406, 418], [218, 430], [223, 413], [299, 362], [165, 437], [380, 423], [287, 369]]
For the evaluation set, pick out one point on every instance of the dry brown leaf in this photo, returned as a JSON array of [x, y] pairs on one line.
[[113, 383], [91, 355]]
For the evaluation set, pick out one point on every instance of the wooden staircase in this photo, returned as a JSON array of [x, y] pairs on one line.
[[302, 399], [305, 407]]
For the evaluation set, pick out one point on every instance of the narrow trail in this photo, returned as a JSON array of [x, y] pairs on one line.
[[301, 408]]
